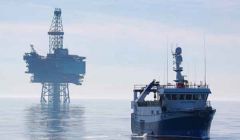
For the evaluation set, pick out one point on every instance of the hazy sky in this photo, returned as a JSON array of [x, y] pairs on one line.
[[125, 43]]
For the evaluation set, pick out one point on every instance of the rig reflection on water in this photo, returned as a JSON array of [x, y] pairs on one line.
[[55, 121]]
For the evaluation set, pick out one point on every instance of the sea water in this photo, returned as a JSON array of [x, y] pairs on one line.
[[83, 119]]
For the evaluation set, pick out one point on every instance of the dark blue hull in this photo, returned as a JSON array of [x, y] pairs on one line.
[[192, 124]]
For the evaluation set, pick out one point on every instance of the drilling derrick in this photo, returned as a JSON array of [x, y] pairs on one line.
[[56, 32], [58, 68]]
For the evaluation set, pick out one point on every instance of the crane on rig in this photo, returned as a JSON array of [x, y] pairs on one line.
[[58, 69]]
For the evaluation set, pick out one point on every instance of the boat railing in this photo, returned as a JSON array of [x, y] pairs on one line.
[[195, 86], [187, 86], [139, 86]]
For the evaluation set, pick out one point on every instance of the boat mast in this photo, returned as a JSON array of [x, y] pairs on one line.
[[180, 81], [167, 61]]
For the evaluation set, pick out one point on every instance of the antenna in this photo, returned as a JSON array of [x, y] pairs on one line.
[[167, 60], [195, 74], [205, 60]]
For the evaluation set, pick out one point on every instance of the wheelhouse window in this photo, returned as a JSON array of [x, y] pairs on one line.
[[195, 96], [174, 97], [182, 97], [203, 96], [189, 97], [168, 96]]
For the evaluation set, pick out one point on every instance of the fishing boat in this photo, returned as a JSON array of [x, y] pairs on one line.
[[177, 110]]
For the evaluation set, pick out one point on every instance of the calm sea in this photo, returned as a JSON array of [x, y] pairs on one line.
[[27, 119]]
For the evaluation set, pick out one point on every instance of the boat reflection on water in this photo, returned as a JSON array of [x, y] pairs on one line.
[[163, 138], [55, 122]]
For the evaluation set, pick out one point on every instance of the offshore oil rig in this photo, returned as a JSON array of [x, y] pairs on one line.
[[56, 70]]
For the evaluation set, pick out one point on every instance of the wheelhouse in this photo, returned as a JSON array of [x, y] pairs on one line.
[[173, 99]]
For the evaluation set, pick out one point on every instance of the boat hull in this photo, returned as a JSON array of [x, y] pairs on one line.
[[193, 124]]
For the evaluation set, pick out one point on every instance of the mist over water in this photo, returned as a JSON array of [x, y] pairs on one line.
[[27, 119]]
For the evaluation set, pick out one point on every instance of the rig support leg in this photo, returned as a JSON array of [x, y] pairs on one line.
[[55, 93]]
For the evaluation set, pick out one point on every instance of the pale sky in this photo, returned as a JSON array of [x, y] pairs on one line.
[[125, 42]]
